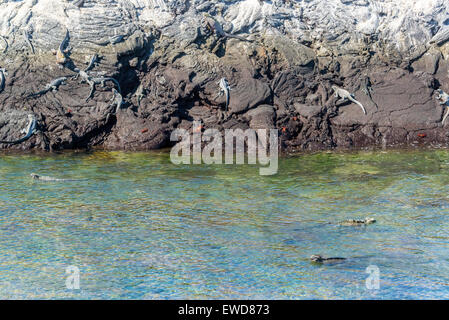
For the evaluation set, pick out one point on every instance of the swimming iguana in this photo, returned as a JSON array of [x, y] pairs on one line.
[[319, 259], [46, 178], [353, 222], [28, 131], [344, 94]]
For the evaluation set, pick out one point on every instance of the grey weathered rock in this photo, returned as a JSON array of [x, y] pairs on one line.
[[280, 57], [262, 117]]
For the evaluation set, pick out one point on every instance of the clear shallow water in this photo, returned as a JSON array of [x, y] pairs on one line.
[[140, 227]]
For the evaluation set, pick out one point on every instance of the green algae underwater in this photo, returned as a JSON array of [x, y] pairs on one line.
[[139, 227]]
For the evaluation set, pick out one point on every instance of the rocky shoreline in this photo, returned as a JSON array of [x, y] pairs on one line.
[[168, 73]]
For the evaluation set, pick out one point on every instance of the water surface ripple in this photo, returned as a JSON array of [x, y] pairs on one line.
[[139, 227]]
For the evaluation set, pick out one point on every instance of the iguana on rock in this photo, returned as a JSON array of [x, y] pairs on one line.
[[111, 40], [61, 57], [224, 89], [117, 99], [140, 94], [27, 39], [6, 44], [52, 86], [92, 62], [101, 80], [77, 3], [85, 78], [344, 94], [368, 89], [216, 27], [28, 131], [443, 97], [3, 73]]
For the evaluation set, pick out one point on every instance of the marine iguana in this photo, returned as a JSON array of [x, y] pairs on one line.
[[441, 36], [46, 178], [61, 57], [26, 35], [85, 78], [78, 4], [3, 73], [92, 62], [140, 94], [367, 89], [101, 80], [6, 44], [224, 89], [29, 131], [442, 96], [111, 40], [319, 259], [344, 94], [117, 99], [216, 27], [52, 86], [444, 99], [353, 222]]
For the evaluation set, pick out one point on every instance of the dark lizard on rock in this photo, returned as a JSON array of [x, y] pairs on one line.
[[101, 80], [3, 73], [94, 81], [346, 95], [443, 98], [92, 62], [6, 44], [27, 39], [61, 57], [224, 89], [52, 86], [368, 89], [77, 3], [117, 99], [215, 26], [28, 131]]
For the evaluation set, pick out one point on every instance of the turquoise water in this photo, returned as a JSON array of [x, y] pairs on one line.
[[139, 227]]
